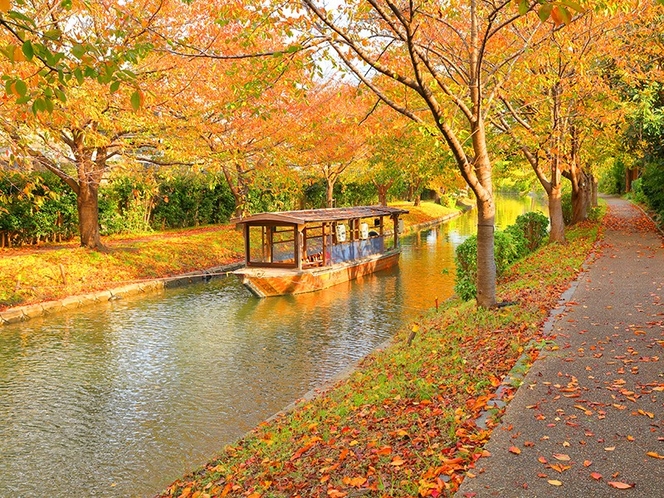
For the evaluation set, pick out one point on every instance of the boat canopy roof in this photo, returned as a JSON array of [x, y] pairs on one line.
[[322, 215]]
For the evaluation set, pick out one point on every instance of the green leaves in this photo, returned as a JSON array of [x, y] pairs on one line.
[[28, 50], [137, 100], [78, 51]]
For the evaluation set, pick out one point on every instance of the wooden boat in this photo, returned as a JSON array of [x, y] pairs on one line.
[[292, 252]]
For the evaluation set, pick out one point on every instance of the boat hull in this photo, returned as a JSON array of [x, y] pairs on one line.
[[268, 282]]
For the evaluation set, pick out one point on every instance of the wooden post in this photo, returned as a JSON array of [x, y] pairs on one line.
[[300, 244], [395, 219], [247, 247], [324, 243], [268, 242]]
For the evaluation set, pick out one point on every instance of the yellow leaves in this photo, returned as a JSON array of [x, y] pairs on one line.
[[561, 457], [645, 413], [397, 461], [5, 5], [654, 454], [554, 482]]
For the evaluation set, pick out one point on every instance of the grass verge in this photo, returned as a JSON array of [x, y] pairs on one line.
[[403, 424]]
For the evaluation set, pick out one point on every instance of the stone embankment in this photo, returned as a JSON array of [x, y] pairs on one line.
[[23, 313]]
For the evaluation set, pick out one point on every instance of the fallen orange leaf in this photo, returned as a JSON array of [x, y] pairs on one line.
[[396, 461], [515, 450], [554, 482], [620, 485], [654, 454], [561, 456], [596, 475], [587, 463], [559, 467]]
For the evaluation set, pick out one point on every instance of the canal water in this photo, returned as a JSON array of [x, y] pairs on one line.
[[120, 399]]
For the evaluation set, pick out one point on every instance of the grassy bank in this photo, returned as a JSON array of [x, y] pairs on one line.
[[30, 275], [403, 424]]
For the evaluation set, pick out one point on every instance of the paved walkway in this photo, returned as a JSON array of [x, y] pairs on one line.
[[588, 420]]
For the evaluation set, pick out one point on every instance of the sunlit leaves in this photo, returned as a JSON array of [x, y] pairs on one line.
[[5, 5]]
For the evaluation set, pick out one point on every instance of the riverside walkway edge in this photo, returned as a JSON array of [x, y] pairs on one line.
[[588, 419]]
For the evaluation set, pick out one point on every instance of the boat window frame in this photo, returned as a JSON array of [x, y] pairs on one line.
[[269, 226]]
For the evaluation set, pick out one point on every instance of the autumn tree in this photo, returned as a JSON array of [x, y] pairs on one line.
[[557, 109], [328, 135], [442, 65], [87, 84]]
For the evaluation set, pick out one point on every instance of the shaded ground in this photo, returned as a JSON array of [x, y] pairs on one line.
[[589, 417]]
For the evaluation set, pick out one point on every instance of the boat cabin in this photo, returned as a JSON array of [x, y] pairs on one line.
[[319, 237]]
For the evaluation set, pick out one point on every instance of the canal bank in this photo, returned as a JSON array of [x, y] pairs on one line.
[[23, 313]]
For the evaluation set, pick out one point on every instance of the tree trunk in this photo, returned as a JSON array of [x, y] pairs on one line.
[[382, 193], [593, 191], [88, 215], [486, 217], [486, 263], [417, 200], [557, 233], [329, 192], [580, 195]]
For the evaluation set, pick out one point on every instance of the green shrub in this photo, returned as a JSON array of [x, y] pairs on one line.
[[652, 187], [36, 207], [637, 194], [465, 259], [510, 245], [534, 227]]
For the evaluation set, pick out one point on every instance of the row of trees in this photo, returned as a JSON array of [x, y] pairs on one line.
[[39, 207], [264, 91]]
